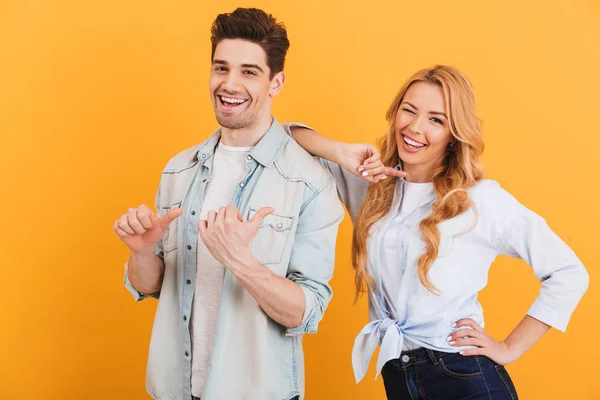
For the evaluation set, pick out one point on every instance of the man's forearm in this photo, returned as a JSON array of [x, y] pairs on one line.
[[145, 272], [280, 298]]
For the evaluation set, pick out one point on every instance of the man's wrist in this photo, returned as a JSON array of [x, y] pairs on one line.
[[248, 267], [241, 261], [144, 254]]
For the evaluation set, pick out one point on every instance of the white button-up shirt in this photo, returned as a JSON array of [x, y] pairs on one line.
[[496, 224]]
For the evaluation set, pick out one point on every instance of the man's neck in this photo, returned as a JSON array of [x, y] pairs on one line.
[[246, 137]]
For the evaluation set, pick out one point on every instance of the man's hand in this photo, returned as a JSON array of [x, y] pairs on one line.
[[227, 236], [140, 228]]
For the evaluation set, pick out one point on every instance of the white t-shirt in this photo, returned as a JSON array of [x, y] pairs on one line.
[[228, 170], [415, 195]]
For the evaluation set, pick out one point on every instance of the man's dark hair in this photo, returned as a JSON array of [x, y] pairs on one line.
[[257, 27]]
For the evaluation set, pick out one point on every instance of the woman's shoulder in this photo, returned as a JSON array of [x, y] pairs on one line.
[[486, 188], [489, 195]]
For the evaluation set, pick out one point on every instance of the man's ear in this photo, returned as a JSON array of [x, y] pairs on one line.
[[277, 83]]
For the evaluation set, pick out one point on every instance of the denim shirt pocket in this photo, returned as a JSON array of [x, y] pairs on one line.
[[270, 241], [170, 236]]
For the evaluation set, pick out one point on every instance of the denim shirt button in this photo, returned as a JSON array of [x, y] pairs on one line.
[[242, 184]]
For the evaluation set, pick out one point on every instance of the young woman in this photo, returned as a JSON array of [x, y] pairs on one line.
[[424, 240]]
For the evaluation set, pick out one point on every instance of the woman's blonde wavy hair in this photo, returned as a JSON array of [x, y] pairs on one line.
[[458, 171]]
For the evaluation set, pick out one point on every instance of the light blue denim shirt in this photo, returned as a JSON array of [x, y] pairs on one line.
[[253, 357], [496, 224]]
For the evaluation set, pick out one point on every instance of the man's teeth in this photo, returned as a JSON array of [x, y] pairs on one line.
[[232, 101], [412, 142]]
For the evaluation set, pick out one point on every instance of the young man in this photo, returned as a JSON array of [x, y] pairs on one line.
[[242, 249]]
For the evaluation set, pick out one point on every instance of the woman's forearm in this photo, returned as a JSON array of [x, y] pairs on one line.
[[527, 333], [317, 144]]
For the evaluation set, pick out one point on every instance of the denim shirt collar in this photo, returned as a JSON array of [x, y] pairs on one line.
[[265, 151]]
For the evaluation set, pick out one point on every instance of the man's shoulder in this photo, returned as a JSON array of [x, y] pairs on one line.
[[186, 158], [295, 163]]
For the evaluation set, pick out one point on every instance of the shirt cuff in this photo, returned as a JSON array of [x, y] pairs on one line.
[[288, 125], [136, 295], [548, 315], [307, 325]]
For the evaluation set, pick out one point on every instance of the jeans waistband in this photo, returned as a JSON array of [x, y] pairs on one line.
[[422, 354]]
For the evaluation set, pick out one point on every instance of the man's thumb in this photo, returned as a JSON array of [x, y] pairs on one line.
[[261, 214], [166, 220]]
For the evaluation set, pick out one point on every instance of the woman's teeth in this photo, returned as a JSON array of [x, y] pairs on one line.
[[412, 142]]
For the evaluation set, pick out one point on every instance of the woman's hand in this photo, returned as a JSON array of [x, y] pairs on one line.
[[474, 335], [363, 161]]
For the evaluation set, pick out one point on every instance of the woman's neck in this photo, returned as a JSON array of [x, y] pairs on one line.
[[418, 173]]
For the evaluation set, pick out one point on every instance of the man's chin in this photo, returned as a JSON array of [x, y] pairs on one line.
[[232, 123]]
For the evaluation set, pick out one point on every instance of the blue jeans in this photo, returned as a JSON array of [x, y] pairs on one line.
[[429, 374], [198, 398]]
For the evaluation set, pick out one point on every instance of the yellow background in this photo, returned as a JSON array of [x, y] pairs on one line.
[[96, 96]]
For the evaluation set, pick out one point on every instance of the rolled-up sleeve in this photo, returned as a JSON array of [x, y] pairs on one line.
[[313, 255], [159, 252], [564, 279], [138, 296]]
